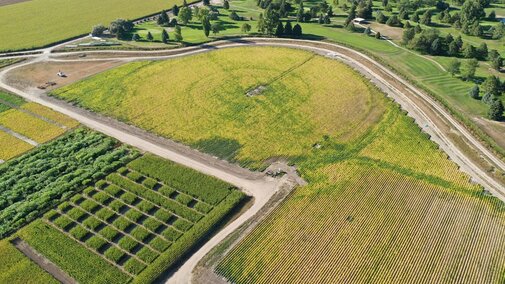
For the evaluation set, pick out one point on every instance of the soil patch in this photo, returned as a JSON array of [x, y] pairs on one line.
[[39, 74]]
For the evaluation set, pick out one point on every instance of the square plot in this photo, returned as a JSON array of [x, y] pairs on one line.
[[182, 225], [114, 254], [127, 243], [96, 242], [145, 206], [90, 205], [104, 213], [109, 233], [133, 215], [151, 223], [78, 232], [139, 233], [122, 223], [163, 215], [117, 205], [171, 234], [128, 197], [159, 244], [147, 254], [134, 266]]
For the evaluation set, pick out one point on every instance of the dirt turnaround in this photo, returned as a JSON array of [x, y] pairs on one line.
[[43, 262]]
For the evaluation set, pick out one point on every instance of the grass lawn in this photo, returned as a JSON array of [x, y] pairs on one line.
[[37, 23]]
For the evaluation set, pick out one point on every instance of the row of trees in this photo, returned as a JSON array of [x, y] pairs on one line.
[[429, 41]]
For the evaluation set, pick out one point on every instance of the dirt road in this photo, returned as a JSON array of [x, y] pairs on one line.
[[428, 114]]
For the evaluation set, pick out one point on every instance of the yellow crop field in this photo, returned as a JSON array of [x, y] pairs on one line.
[[383, 204], [51, 114], [204, 103], [11, 146], [29, 126]]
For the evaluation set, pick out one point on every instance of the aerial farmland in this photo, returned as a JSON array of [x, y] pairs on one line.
[[240, 141]]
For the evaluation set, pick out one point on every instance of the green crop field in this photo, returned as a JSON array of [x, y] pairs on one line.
[[383, 203], [133, 224], [31, 120], [35, 181], [37, 23]]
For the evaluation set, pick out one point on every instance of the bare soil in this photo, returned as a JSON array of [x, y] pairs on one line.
[[495, 129], [385, 30], [38, 74]]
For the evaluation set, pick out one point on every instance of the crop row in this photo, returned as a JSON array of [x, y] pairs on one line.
[[53, 172], [189, 181], [367, 227]]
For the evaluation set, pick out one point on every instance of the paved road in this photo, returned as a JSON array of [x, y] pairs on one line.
[[419, 106]]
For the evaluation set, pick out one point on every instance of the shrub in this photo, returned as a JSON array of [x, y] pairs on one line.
[[166, 191], [112, 189], [134, 266], [121, 223], [159, 244], [89, 205], [101, 197], [104, 213], [91, 222], [135, 176], [133, 214], [182, 225], [128, 197], [184, 199], [163, 215], [75, 213], [101, 184], [114, 254], [63, 222], [75, 198], [152, 224], [64, 207], [89, 191], [150, 183], [96, 242], [145, 206], [116, 205], [50, 215], [78, 232], [139, 233], [147, 255], [123, 171], [127, 243], [171, 234], [108, 233], [203, 207]]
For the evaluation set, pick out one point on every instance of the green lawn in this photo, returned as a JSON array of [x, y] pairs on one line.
[[37, 23]]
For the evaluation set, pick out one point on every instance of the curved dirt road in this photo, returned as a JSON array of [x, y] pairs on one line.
[[428, 114]]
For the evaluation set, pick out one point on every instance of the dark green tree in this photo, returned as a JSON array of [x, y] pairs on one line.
[[206, 26], [496, 110], [164, 36], [226, 4], [474, 92], [426, 18], [288, 29], [492, 16], [178, 33], [245, 28], [279, 31], [378, 35], [271, 20], [297, 30], [470, 68], [163, 19], [482, 51], [135, 37], [185, 15], [492, 85], [299, 14], [149, 36], [408, 35], [175, 10]]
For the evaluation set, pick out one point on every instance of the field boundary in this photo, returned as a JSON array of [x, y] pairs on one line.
[[42, 261]]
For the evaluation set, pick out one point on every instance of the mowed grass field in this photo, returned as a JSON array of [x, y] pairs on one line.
[[383, 204], [38, 23]]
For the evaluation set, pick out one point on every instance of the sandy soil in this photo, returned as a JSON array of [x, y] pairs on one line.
[[38, 74]]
